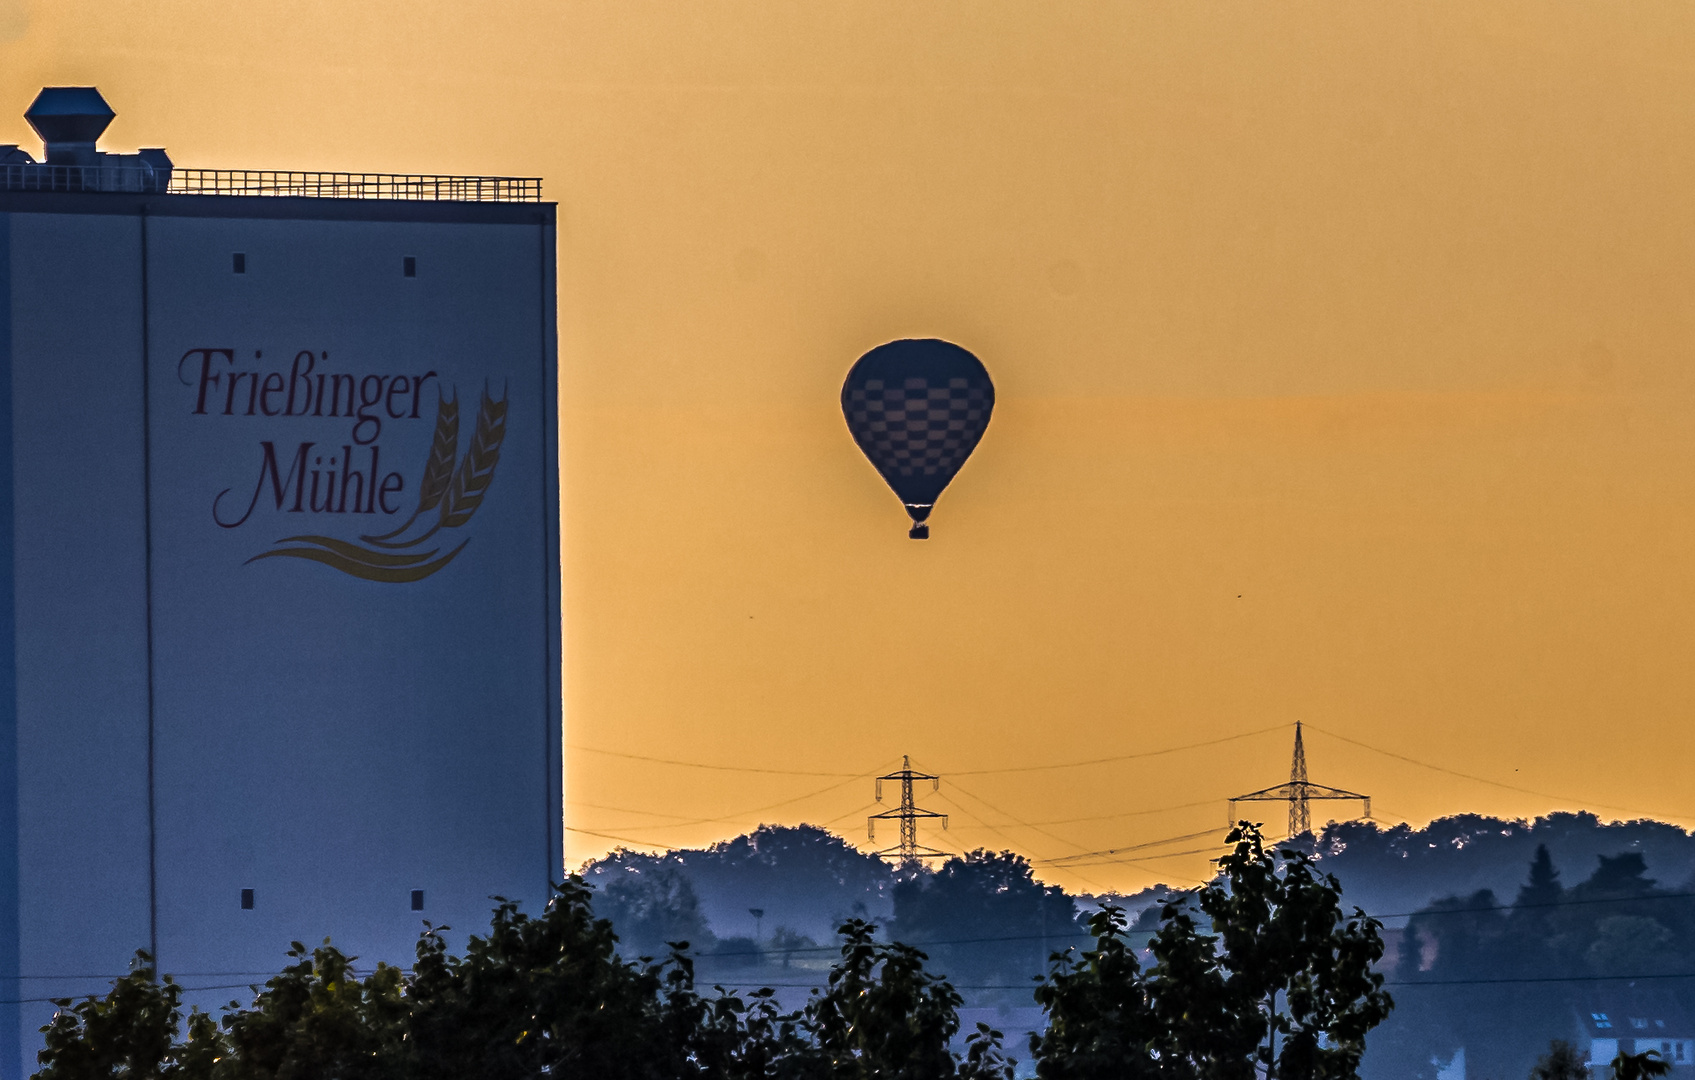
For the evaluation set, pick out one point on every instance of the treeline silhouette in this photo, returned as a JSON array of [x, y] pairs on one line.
[[1258, 973], [1398, 868], [983, 918], [1566, 899], [1501, 978]]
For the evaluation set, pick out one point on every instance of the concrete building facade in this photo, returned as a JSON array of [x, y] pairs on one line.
[[279, 595]]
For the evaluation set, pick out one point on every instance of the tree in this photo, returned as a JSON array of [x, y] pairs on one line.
[[314, 1019], [1643, 1066], [726, 1037], [884, 1017], [1616, 922], [788, 944], [1279, 984], [537, 996], [1100, 1026], [1631, 945], [130, 1034], [1561, 1062], [802, 877], [1010, 921], [1543, 887], [1617, 876], [650, 904], [1256, 973]]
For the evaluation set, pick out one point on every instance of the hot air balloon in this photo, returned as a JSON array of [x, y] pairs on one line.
[[917, 407]]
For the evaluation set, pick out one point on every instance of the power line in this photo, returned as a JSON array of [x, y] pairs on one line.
[[1081, 933], [963, 809], [1485, 780], [61, 997], [174, 975], [1133, 847], [1117, 757], [1031, 984], [1020, 822], [628, 810], [1072, 862], [1025, 824], [1543, 904], [687, 822], [704, 765], [1511, 980], [624, 839], [1120, 814], [1129, 813], [1390, 982], [1133, 756], [982, 823], [1380, 916], [797, 798], [1126, 757], [728, 818], [1392, 819], [855, 812], [1104, 860], [1146, 858]]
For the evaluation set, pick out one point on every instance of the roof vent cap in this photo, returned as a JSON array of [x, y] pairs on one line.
[[69, 119]]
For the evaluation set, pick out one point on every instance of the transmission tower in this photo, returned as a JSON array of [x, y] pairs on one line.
[[908, 852], [1298, 792]]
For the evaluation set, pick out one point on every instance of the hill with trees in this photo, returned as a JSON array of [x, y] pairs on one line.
[[1568, 900], [1258, 973]]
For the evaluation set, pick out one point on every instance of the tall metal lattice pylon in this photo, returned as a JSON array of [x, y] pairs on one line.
[[909, 851], [1300, 813], [1298, 792]]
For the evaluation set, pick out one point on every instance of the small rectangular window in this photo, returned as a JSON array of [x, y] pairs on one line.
[[240, 262], [417, 899], [409, 266], [247, 899]]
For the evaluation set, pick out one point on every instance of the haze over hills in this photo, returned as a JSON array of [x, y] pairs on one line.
[[1568, 905], [807, 879]]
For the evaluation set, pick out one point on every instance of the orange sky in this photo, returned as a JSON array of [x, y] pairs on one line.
[[1343, 355]]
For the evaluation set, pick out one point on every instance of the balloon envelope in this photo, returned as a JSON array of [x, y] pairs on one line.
[[917, 408]]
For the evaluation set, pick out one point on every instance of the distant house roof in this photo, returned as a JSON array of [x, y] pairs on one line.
[[1633, 1013]]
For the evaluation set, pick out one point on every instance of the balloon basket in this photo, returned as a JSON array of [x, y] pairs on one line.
[[920, 531]]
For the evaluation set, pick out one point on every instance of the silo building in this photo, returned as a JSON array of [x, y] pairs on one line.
[[279, 596]]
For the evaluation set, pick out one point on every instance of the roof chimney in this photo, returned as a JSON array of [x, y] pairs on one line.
[[69, 119]]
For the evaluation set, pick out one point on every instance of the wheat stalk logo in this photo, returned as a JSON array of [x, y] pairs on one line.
[[438, 470], [455, 493]]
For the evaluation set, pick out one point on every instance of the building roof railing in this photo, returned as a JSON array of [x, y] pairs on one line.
[[139, 177], [342, 185]]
